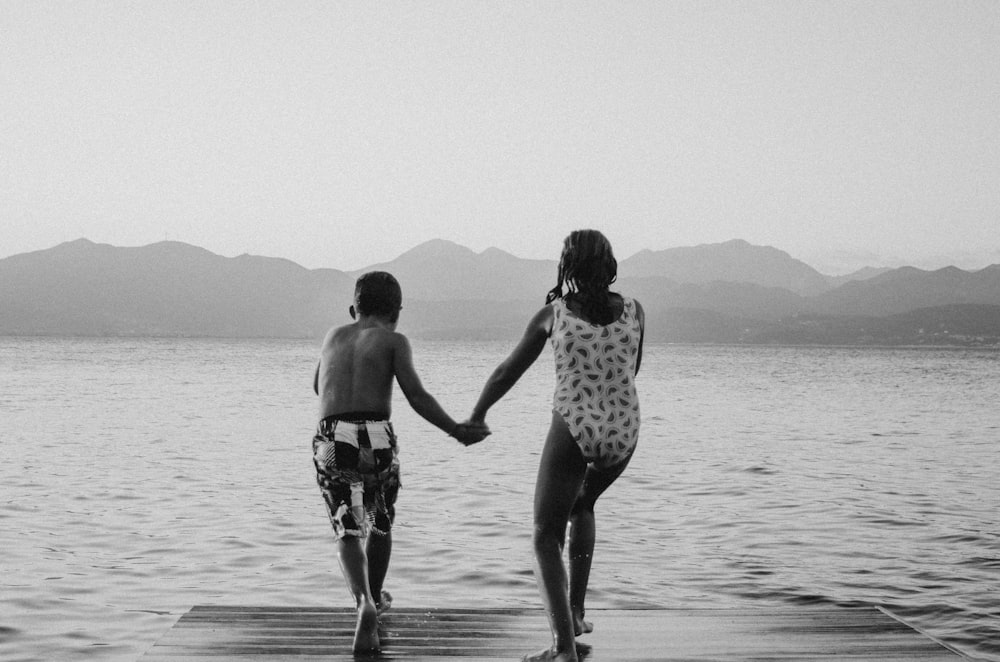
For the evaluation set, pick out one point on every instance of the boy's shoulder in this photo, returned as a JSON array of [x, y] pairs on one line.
[[338, 333], [355, 332]]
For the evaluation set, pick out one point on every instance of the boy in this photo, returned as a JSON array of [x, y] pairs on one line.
[[354, 449]]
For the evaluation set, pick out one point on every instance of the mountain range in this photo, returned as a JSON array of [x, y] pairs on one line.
[[732, 292]]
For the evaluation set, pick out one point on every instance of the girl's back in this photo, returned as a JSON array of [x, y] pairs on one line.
[[595, 378]]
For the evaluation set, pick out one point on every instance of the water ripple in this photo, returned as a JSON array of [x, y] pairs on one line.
[[764, 476]]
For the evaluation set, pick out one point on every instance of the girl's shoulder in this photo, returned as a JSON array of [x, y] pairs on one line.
[[543, 319], [617, 308]]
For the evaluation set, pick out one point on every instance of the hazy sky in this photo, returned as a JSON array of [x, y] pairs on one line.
[[342, 134]]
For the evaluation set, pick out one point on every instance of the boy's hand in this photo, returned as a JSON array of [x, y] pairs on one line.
[[469, 433]]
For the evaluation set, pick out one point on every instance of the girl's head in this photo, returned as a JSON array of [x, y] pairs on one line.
[[587, 265]]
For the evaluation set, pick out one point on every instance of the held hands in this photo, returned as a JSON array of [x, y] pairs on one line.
[[471, 432]]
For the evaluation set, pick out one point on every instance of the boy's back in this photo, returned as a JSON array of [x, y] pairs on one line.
[[356, 369]]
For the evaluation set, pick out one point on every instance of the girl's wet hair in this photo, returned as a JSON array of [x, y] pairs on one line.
[[587, 267], [378, 293]]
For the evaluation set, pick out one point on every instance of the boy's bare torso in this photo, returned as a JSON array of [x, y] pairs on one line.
[[356, 370]]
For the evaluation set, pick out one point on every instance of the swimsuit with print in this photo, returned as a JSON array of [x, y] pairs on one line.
[[595, 382], [355, 456]]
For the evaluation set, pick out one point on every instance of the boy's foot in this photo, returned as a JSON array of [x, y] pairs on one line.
[[384, 602], [366, 632], [550, 655]]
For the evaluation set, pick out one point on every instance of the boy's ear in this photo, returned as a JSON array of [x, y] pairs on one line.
[[352, 312]]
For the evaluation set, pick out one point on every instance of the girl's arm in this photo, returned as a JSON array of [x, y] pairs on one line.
[[641, 315], [510, 369]]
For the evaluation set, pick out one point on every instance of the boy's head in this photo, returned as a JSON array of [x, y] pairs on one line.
[[378, 293]]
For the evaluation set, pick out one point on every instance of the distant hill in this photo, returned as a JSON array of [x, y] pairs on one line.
[[732, 261], [165, 289], [727, 298], [174, 289], [440, 270], [959, 324], [905, 289], [861, 274]]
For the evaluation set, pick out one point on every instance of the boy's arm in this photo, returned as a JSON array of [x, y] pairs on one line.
[[422, 402], [316, 380], [510, 370]]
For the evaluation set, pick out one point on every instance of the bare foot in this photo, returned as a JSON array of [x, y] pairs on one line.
[[384, 602], [366, 632], [582, 649], [549, 655], [581, 626]]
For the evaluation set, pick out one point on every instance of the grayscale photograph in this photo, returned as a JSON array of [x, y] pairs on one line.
[[469, 330]]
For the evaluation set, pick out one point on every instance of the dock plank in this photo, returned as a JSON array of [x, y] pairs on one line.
[[807, 634]]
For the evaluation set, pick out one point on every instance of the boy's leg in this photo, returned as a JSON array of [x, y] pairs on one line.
[[354, 565], [378, 550], [560, 475], [582, 533], [379, 547]]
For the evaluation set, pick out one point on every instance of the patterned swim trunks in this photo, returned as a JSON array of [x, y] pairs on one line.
[[355, 456]]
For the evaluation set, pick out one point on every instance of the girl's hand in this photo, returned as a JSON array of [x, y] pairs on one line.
[[471, 432]]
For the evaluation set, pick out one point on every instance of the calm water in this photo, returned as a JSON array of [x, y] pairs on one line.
[[141, 477]]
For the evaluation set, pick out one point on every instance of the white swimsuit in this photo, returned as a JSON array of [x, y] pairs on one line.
[[595, 382]]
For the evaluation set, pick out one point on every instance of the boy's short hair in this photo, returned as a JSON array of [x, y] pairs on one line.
[[378, 293]]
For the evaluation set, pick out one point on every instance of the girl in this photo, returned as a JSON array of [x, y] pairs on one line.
[[596, 337]]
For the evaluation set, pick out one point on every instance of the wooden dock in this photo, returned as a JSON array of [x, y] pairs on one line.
[[276, 634]]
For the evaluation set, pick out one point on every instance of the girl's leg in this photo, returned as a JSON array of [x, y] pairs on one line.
[[560, 476], [582, 535]]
